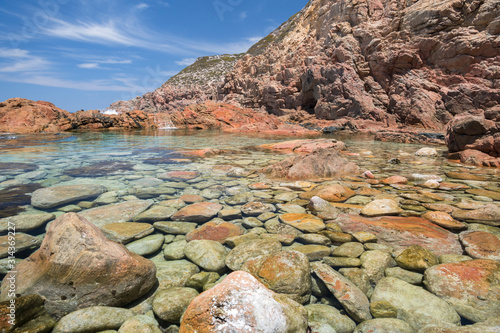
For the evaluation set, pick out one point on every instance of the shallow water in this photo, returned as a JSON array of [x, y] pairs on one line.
[[126, 161]]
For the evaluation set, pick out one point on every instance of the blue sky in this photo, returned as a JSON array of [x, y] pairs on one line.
[[86, 54]]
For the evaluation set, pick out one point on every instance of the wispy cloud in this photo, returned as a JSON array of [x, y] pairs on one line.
[[186, 61], [18, 60], [89, 65], [243, 16], [97, 63]]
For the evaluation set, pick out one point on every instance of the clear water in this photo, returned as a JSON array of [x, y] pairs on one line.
[[150, 153]]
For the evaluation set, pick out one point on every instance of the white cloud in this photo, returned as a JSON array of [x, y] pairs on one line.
[[142, 6], [186, 61], [243, 16], [89, 65], [21, 61]]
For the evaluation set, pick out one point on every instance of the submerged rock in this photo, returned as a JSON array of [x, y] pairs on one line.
[[240, 303], [73, 253], [93, 319], [471, 287]]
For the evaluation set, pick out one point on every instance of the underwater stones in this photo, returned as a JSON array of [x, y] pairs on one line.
[[93, 319], [174, 250], [395, 180], [412, 304], [481, 245], [115, 213], [384, 325], [322, 208], [25, 222], [416, 258], [216, 230], [179, 176], [174, 273], [17, 167], [305, 145], [329, 315], [13, 198], [331, 193], [303, 222], [140, 323], [170, 304], [285, 272], [100, 169], [346, 292], [243, 304], [402, 232], [484, 193], [64, 269], [488, 214], [54, 196], [207, 254], [155, 213], [125, 232], [381, 207], [255, 208], [251, 249], [147, 245], [198, 212], [471, 287], [444, 220], [23, 242], [427, 152], [175, 228], [314, 252], [463, 176]]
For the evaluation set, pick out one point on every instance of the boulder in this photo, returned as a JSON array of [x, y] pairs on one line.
[[73, 253], [54, 196], [240, 303], [321, 163], [471, 287]]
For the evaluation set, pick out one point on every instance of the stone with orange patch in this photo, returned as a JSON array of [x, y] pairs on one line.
[[285, 272], [216, 230], [332, 193], [402, 232], [346, 292], [444, 220], [303, 222], [471, 287], [481, 245], [395, 180], [179, 175]]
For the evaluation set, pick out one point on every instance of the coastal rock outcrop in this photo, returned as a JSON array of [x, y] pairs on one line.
[[369, 63], [77, 267]]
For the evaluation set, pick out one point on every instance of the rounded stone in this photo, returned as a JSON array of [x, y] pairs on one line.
[[417, 258], [303, 222], [351, 250], [381, 207], [170, 304], [147, 245], [384, 325], [207, 254], [251, 249], [329, 315], [93, 319]]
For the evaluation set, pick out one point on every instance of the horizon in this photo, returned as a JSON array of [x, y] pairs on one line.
[[87, 54]]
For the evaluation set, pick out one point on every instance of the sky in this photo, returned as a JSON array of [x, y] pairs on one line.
[[87, 54]]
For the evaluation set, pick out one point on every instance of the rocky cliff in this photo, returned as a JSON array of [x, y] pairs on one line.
[[408, 62]]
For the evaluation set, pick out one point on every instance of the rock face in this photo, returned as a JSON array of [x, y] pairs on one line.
[[77, 267], [476, 137], [242, 304], [24, 116], [416, 62]]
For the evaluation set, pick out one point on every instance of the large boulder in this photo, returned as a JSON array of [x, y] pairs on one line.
[[240, 303], [77, 267], [321, 163], [471, 287]]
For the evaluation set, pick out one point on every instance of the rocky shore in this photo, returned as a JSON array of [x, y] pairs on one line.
[[228, 249]]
